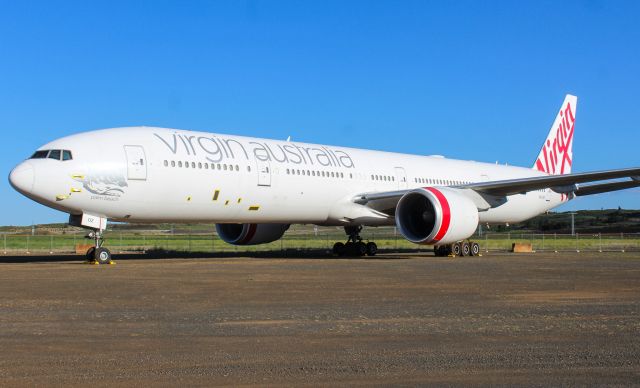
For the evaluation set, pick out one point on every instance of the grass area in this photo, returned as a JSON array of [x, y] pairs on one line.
[[303, 238]]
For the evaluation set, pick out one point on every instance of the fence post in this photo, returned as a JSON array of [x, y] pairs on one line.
[[622, 238], [555, 242], [577, 240], [600, 242], [543, 241], [486, 243], [50, 245], [5, 244], [28, 245], [395, 237]]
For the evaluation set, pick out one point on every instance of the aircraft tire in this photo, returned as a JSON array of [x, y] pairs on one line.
[[372, 248], [475, 249], [360, 248], [456, 249], [102, 256], [90, 255], [338, 249], [465, 249]]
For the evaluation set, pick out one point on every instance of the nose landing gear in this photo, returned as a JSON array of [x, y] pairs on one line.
[[98, 254], [354, 245]]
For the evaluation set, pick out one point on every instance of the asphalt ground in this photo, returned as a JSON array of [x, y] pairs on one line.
[[533, 319]]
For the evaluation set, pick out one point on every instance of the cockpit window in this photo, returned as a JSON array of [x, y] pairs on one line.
[[54, 154], [42, 154]]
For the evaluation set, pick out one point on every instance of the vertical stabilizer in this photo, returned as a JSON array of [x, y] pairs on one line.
[[556, 155]]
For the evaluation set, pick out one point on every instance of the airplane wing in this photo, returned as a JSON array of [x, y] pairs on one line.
[[565, 184]]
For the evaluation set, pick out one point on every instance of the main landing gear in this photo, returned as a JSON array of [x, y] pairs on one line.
[[354, 245], [461, 248], [98, 254]]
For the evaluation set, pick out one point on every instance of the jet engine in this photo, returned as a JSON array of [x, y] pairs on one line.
[[250, 234], [436, 216]]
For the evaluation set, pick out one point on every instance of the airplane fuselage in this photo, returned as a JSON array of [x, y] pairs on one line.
[[144, 174]]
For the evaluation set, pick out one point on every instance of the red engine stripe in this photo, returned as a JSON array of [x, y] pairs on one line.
[[250, 233], [446, 213]]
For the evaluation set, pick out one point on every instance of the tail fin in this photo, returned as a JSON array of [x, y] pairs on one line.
[[556, 155]]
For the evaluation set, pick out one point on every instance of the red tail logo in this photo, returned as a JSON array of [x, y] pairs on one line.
[[556, 155]]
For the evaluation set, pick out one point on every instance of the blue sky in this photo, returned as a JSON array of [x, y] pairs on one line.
[[471, 80]]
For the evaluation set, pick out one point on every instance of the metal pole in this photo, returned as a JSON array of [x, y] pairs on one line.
[[486, 243], [577, 246], [5, 244], [27, 244], [50, 245], [600, 242], [573, 224]]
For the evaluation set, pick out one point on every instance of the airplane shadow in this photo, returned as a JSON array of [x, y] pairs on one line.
[[383, 254]]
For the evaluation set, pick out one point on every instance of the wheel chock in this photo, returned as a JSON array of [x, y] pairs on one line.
[[112, 262]]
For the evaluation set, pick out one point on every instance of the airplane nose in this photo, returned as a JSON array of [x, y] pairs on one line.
[[22, 177]]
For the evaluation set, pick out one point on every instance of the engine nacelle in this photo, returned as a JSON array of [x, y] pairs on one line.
[[250, 234], [436, 216]]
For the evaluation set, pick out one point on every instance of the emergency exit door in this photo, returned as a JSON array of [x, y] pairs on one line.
[[401, 178], [136, 162], [264, 173]]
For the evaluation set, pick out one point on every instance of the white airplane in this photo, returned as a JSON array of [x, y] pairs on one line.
[[253, 189]]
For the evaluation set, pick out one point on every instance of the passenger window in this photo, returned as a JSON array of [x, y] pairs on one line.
[[199, 165], [173, 163], [54, 154], [249, 168], [225, 167], [66, 155], [237, 168], [193, 164], [206, 166], [179, 163], [166, 163]]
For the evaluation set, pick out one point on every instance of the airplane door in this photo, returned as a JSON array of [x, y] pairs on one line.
[[264, 173], [136, 162], [401, 178]]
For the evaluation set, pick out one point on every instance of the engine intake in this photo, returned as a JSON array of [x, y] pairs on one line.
[[250, 234], [436, 216]]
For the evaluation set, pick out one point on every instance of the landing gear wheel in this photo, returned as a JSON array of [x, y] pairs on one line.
[[90, 254], [456, 249], [465, 248], [338, 249], [102, 256], [372, 248], [360, 248], [475, 249]]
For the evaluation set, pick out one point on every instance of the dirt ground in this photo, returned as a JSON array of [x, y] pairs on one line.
[[537, 319]]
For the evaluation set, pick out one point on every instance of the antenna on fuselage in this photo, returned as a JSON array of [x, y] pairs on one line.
[[288, 138]]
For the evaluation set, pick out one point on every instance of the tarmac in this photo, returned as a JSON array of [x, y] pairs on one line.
[[395, 319]]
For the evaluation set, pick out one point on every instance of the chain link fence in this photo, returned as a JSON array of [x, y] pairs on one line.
[[297, 238]]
